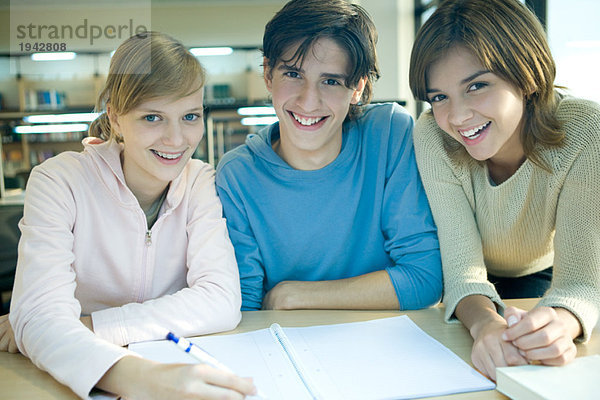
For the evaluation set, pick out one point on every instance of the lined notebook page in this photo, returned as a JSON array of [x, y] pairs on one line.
[[390, 358], [252, 354]]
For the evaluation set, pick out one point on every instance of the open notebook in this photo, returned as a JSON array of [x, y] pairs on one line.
[[390, 358]]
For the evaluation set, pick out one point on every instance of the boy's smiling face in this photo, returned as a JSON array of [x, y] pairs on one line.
[[312, 102]]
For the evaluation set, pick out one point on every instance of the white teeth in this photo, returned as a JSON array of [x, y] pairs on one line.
[[307, 121], [168, 156], [473, 133]]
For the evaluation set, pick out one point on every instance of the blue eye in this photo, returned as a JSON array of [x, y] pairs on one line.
[[151, 118], [191, 117], [292, 74], [331, 82]]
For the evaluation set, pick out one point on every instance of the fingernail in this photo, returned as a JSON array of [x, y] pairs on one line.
[[504, 336], [512, 320]]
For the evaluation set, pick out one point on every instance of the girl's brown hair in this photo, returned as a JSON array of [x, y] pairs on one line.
[[145, 66], [510, 42]]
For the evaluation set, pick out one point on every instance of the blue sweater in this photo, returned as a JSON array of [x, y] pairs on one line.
[[364, 212]]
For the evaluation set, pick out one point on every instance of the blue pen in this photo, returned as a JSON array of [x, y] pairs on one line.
[[196, 352], [200, 355]]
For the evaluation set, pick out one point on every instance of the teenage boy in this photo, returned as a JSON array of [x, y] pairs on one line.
[[326, 208]]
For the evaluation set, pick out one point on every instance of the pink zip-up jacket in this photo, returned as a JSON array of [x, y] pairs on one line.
[[85, 250]]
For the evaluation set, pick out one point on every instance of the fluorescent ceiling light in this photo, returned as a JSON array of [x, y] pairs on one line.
[[53, 118], [259, 120], [58, 128], [256, 111], [66, 55], [211, 51]]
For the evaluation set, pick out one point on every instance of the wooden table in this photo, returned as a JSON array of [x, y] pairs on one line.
[[20, 379]]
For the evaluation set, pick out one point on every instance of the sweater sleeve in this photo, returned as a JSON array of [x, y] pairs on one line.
[[250, 265], [44, 311], [210, 302], [452, 205], [407, 223], [576, 272]]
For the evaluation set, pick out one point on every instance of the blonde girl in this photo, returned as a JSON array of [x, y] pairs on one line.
[[124, 241]]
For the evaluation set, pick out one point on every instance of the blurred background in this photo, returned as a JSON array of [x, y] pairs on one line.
[[46, 100]]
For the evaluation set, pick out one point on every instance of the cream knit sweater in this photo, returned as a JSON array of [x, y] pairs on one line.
[[532, 221]]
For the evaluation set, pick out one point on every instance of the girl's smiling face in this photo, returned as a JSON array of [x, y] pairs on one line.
[[159, 137], [476, 107]]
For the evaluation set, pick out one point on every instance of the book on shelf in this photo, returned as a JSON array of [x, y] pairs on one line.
[[576, 380], [389, 358], [44, 100]]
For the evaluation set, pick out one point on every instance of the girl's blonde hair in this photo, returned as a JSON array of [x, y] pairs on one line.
[[145, 66], [510, 42]]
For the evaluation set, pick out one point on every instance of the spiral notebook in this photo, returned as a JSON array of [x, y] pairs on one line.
[[389, 358]]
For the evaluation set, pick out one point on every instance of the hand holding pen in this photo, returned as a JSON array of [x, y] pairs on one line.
[[201, 355], [197, 352]]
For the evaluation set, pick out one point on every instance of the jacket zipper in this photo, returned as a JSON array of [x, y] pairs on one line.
[[148, 243], [147, 259]]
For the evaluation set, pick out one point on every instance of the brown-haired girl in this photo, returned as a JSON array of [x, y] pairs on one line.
[[510, 167]]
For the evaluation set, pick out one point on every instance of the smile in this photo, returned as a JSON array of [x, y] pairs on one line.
[[306, 121], [168, 156], [473, 133]]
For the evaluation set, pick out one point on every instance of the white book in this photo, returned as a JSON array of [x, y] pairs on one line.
[[389, 358], [576, 380]]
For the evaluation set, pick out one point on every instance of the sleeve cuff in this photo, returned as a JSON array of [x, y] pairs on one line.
[[454, 295], [585, 311], [413, 295], [108, 325]]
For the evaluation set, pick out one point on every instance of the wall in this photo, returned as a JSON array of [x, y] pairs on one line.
[[206, 23], [395, 24], [576, 45]]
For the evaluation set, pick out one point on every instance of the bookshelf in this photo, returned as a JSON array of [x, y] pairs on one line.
[[72, 87], [20, 152]]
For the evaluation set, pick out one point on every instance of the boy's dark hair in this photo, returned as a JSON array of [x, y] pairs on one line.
[[304, 22]]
